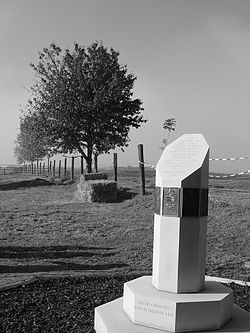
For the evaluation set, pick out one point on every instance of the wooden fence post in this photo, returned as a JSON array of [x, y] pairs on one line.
[[50, 167], [59, 170], [115, 167], [54, 168], [65, 167], [40, 168], [81, 165], [43, 168], [141, 168], [72, 167]]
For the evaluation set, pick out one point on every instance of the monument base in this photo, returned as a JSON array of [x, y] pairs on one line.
[[208, 309], [110, 318]]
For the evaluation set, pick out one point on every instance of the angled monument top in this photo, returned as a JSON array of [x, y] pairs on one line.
[[180, 159]]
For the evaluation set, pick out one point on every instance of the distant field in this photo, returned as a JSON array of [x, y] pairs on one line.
[[45, 229]]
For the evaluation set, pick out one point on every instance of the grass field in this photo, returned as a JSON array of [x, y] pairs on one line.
[[45, 229]]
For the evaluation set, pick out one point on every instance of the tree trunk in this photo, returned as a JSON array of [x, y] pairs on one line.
[[96, 164], [89, 160]]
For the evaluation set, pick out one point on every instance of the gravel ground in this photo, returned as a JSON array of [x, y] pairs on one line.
[[67, 304]]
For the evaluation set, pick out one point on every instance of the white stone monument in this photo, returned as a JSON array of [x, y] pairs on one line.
[[176, 298]]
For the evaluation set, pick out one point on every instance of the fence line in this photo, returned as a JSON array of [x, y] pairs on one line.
[[39, 168], [232, 175], [53, 167], [230, 158]]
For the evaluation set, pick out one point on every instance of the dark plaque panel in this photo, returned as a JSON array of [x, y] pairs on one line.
[[191, 202], [204, 202], [158, 200], [170, 206]]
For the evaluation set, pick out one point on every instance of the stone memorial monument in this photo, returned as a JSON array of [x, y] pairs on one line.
[[176, 298]]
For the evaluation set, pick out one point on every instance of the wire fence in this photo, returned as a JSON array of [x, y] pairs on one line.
[[67, 167], [64, 168], [52, 168]]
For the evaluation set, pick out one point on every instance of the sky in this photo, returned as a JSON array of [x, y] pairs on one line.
[[191, 59]]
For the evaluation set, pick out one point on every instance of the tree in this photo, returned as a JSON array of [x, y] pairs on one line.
[[30, 144], [84, 100], [170, 125]]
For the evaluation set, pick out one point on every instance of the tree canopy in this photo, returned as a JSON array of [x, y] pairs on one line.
[[170, 125], [31, 143], [84, 100]]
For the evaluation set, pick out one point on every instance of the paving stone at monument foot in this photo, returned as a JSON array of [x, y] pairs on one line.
[[176, 298]]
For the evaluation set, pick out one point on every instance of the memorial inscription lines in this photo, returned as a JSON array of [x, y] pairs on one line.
[[175, 163], [154, 308]]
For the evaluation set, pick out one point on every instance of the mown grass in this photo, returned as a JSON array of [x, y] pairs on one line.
[[45, 229]]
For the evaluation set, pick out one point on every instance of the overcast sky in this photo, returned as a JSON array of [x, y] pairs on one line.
[[191, 59]]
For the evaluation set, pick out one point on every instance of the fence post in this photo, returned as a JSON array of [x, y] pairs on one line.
[[50, 167], [54, 168], [65, 167], [32, 168], [115, 167], [40, 168], [44, 168], [81, 165], [72, 167], [141, 168], [59, 170]]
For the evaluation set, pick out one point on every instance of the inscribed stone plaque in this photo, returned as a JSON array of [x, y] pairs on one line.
[[180, 159], [158, 200], [170, 201]]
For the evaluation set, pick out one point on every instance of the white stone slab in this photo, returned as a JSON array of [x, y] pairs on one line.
[[110, 318], [166, 253], [208, 309], [179, 253]]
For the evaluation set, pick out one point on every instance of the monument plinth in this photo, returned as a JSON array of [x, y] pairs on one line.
[[176, 298], [180, 221]]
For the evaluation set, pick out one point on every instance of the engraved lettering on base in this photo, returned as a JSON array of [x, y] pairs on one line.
[[154, 308]]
